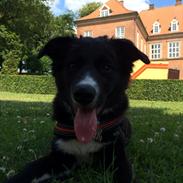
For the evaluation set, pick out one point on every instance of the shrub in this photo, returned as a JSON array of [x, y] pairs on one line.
[[165, 90], [27, 84]]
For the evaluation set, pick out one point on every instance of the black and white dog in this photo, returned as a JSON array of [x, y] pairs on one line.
[[92, 75]]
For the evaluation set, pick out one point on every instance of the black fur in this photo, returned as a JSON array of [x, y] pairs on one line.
[[109, 62]]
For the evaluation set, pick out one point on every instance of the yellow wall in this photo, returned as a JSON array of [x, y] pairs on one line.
[[151, 73], [137, 65], [154, 74]]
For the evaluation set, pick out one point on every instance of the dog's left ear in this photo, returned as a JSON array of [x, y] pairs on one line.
[[57, 48], [127, 50]]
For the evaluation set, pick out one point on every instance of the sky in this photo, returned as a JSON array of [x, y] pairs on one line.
[[60, 6]]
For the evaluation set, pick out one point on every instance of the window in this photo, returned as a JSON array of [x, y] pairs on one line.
[[156, 27], [174, 26], [120, 32], [87, 34], [104, 11], [155, 51], [174, 49]]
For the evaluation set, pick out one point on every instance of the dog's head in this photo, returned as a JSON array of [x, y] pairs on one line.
[[91, 74]]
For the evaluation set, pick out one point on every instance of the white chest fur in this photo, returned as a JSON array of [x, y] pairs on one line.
[[74, 147]]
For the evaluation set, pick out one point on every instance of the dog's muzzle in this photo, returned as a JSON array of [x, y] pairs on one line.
[[84, 95]]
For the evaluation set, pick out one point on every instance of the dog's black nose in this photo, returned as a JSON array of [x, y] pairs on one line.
[[84, 94]]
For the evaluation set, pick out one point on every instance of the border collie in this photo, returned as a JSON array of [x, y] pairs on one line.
[[91, 75]]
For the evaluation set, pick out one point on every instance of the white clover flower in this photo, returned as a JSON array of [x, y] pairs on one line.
[[3, 169], [4, 158], [150, 140], [42, 122], [162, 129], [10, 173], [176, 135], [31, 131], [141, 140], [19, 147], [25, 129], [156, 133]]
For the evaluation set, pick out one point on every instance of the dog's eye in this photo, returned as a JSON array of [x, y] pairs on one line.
[[107, 68], [72, 66]]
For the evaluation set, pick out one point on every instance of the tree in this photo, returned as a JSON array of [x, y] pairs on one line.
[[30, 24], [30, 21], [63, 25], [88, 8], [10, 50]]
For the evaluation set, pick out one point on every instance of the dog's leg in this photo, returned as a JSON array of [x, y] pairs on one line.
[[122, 166], [115, 159], [45, 169]]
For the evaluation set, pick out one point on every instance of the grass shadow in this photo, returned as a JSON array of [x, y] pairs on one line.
[[155, 148]]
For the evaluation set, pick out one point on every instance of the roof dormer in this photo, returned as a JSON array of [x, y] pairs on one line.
[[156, 27], [174, 25], [104, 11]]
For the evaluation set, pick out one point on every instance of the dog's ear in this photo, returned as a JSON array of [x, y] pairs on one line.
[[57, 48], [127, 50]]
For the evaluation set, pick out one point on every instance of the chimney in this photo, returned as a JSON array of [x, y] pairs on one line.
[[121, 1], [178, 2], [151, 6]]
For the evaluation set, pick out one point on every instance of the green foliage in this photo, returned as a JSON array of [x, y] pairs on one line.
[[27, 84], [63, 25], [165, 90], [46, 65], [88, 8], [25, 26], [10, 50]]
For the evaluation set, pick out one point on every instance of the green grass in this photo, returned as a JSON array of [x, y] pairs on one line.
[[155, 150]]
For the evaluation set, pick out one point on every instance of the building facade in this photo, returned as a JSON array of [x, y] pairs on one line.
[[158, 32]]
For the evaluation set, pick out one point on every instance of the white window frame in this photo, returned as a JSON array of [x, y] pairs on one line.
[[145, 48], [156, 27], [174, 24], [138, 36], [175, 48], [87, 34], [155, 53], [120, 32], [104, 12], [142, 45]]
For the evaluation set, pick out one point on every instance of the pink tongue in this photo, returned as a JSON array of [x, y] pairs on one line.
[[85, 125]]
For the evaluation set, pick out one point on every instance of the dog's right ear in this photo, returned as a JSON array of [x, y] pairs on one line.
[[57, 48]]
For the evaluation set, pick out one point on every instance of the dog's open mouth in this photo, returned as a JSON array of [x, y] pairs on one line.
[[85, 124]]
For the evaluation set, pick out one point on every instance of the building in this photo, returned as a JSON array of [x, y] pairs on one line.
[[158, 32]]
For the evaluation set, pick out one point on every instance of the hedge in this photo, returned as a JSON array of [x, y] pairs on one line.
[[165, 90], [27, 84]]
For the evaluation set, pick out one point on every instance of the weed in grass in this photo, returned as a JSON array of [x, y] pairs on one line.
[[156, 150]]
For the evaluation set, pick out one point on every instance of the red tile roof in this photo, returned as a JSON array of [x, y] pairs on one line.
[[164, 16], [115, 6]]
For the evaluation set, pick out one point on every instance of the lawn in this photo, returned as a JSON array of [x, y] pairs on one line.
[[155, 150]]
